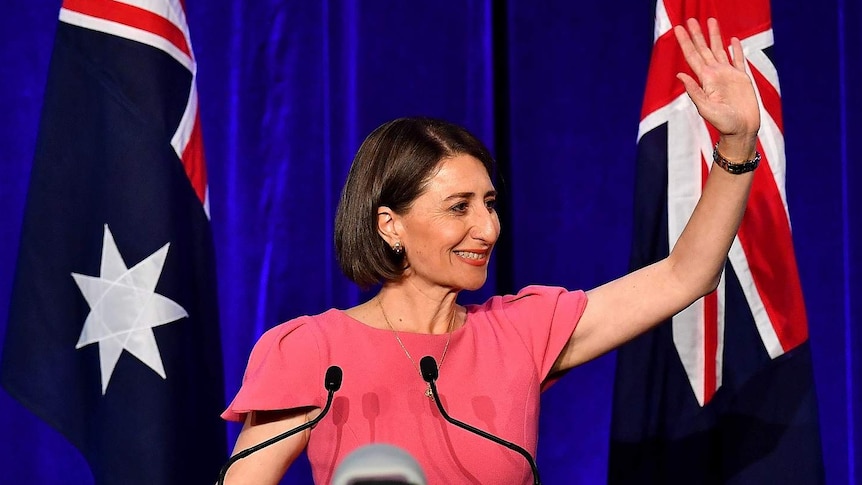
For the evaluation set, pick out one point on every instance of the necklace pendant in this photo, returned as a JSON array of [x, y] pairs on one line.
[[429, 393]]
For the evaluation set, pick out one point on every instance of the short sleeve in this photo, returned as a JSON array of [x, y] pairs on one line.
[[545, 317], [283, 372]]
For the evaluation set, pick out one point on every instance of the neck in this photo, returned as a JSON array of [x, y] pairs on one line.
[[411, 310]]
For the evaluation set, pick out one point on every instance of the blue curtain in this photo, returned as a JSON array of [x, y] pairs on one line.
[[288, 90]]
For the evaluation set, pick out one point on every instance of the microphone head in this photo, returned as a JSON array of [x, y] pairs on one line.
[[379, 463], [429, 368], [332, 381]]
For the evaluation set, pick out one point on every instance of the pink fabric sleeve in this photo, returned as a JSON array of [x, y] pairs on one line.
[[283, 372], [545, 317]]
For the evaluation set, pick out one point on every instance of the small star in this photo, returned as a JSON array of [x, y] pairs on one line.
[[124, 308]]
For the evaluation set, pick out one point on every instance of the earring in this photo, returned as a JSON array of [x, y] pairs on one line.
[[397, 248]]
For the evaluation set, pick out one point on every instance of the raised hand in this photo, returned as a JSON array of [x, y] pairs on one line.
[[724, 95]]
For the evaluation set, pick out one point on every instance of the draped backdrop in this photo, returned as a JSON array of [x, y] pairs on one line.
[[288, 90]]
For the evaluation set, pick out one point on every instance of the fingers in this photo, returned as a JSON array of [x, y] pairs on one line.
[[716, 45], [738, 56], [692, 57], [718, 85], [699, 42], [694, 46]]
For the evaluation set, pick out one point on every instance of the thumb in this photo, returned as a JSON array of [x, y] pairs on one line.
[[695, 92]]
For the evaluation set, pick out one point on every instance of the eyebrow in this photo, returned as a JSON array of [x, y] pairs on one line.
[[469, 195]]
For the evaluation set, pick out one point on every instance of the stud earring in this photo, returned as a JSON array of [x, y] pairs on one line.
[[397, 248]]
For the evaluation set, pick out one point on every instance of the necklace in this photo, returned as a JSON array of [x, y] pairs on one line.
[[406, 352]]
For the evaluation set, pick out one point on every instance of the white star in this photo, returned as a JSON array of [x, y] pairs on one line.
[[124, 308]]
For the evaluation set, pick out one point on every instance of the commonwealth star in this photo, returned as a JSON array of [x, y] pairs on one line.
[[124, 308]]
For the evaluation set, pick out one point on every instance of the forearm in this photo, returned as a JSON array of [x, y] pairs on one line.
[[628, 306], [699, 254], [269, 464]]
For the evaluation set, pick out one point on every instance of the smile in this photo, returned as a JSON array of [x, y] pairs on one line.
[[473, 256]]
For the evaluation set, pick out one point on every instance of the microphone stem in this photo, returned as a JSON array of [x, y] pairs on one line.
[[496, 439], [248, 451]]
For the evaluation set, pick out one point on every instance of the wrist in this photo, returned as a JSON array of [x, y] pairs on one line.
[[735, 167], [737, 148]]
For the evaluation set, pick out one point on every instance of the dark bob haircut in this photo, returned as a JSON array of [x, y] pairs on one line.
[[392, 168]]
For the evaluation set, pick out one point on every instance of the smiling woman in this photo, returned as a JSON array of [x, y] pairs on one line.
[[395, 165], [452, 224], [417, 215]]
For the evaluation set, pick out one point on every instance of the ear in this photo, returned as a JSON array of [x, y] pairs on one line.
[[388, 225]]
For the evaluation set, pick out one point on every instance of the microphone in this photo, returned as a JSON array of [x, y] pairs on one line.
[[378, 464], [332, 383], [430, 373]]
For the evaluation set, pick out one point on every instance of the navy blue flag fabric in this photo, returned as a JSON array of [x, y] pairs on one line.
[[113, 334], [724, 392]]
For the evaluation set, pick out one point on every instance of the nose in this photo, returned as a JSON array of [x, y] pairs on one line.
[[486, 226]]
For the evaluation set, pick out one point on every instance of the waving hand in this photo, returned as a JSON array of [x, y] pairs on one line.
[[724, 97]]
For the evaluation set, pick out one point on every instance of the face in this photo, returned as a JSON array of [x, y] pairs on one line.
[[450, 229]]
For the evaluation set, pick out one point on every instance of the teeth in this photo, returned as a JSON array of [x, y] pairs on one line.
[[467, 255]]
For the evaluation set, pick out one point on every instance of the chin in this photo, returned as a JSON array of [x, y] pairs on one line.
[[474, 285]]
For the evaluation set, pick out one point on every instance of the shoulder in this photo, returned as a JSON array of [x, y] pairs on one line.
[[285, 369], [540, 318], [302, 328], [302, 339], [535, 300], [306, 327]]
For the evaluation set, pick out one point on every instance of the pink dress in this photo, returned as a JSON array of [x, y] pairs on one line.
[[496, 366]]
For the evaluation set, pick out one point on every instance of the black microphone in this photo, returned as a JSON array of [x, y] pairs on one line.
[[430, 374], [332, 383]]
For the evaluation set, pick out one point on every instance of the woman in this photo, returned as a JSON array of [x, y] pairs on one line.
[[417, 214]]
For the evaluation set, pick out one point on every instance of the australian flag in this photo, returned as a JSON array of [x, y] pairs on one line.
[[113, 334], [724, 392]]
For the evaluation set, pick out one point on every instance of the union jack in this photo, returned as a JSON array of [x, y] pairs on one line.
[[762, 253], [160, 24]]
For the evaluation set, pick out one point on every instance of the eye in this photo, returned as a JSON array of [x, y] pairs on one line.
[[491, 204], [460, 207]]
